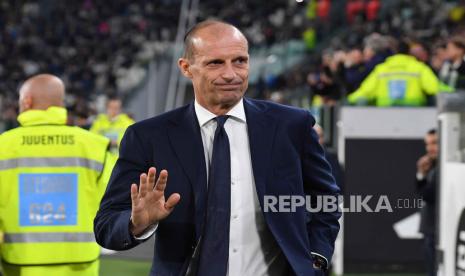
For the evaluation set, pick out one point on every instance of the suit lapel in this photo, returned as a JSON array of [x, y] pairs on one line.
[[261, 129], [186, 141]]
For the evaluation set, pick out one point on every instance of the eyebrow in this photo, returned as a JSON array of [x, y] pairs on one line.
[[222, 60], [213, 60], [241, 57]]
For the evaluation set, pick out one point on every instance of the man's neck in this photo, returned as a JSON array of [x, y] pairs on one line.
[[219, 110]]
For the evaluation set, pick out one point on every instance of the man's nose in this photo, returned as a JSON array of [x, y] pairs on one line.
[[228, 73]]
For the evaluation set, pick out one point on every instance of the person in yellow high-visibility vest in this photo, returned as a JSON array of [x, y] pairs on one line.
[[399, 81], [52, 178], [113, 124]]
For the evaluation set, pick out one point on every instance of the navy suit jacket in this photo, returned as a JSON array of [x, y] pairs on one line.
[[286, 160]]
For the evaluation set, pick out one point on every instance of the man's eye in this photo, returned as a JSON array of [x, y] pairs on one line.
[[215, 62], [241, 61]]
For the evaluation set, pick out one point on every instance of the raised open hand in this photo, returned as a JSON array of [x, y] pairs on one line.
[[148, 202]]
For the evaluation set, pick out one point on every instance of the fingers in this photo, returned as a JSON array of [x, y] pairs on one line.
[[151, 178], [161, 182], [146, 182], [134, 194], [172, 201], [142, 185]]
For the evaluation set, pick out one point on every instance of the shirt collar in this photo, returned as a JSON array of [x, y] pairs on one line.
[[204, 115]]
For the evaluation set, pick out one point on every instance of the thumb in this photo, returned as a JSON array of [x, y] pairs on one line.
[[172, 201]]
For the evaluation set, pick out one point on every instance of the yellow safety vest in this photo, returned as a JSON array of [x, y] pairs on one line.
[[112, 129], [52, 178], [400, 81]]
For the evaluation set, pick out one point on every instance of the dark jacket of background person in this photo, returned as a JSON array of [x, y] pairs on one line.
[[453, 75], [426, 185], [453, 71], [426, 188]]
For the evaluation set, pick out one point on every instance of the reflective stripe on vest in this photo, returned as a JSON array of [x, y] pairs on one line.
[[30, 162], [49, 237]]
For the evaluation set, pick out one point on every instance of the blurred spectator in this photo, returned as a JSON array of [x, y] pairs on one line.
[[372, 9], [325, 82], [376, 50], [9, 116], [277, 97], [420, 52], [426, 188], [400, 81], [322, 9], [113, 124], [438, 57], [354, 9], [355, 69], [453, 71]]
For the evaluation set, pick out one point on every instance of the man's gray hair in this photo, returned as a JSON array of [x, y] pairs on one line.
[[376, 42]]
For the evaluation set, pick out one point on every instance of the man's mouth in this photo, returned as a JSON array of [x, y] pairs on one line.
[[229, 86]]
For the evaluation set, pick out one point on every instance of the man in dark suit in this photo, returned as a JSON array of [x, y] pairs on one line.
[[225, 154], [426, 188]]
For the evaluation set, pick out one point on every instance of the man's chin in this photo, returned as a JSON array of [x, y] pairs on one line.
[[230, 97], [230, 101]]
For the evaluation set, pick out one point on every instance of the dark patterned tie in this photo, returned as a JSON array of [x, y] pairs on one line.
[[214, 249]]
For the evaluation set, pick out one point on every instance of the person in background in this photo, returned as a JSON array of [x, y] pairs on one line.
[[375, 51], [426, 185], [420, 52], [359, 62], [52, 177], [401, 80], [325, 83], [113, 124], [8, 116], [453, 71], [355, 69], [438, 56]]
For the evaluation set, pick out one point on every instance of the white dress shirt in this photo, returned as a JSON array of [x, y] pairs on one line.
[[252, 248]]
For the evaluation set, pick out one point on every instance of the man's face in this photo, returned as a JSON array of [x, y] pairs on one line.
[[355, 56], [113, 108], [219, 69], [368, 53], [431, 144], [453, 52]]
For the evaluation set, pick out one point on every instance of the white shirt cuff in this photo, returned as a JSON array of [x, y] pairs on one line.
[[319, 255], [420, 176], [147, 232]]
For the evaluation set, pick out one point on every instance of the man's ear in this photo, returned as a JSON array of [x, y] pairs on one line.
[[27, 102], [184, 65]]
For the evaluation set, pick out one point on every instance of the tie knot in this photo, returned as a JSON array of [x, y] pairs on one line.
[[220, 120]]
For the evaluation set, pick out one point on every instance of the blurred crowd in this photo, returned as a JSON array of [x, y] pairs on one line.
[[96, 47], [342, 71], [367, 35], [102, 50], [263, 23]]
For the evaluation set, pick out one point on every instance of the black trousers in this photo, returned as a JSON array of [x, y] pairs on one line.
[[430, 254]]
